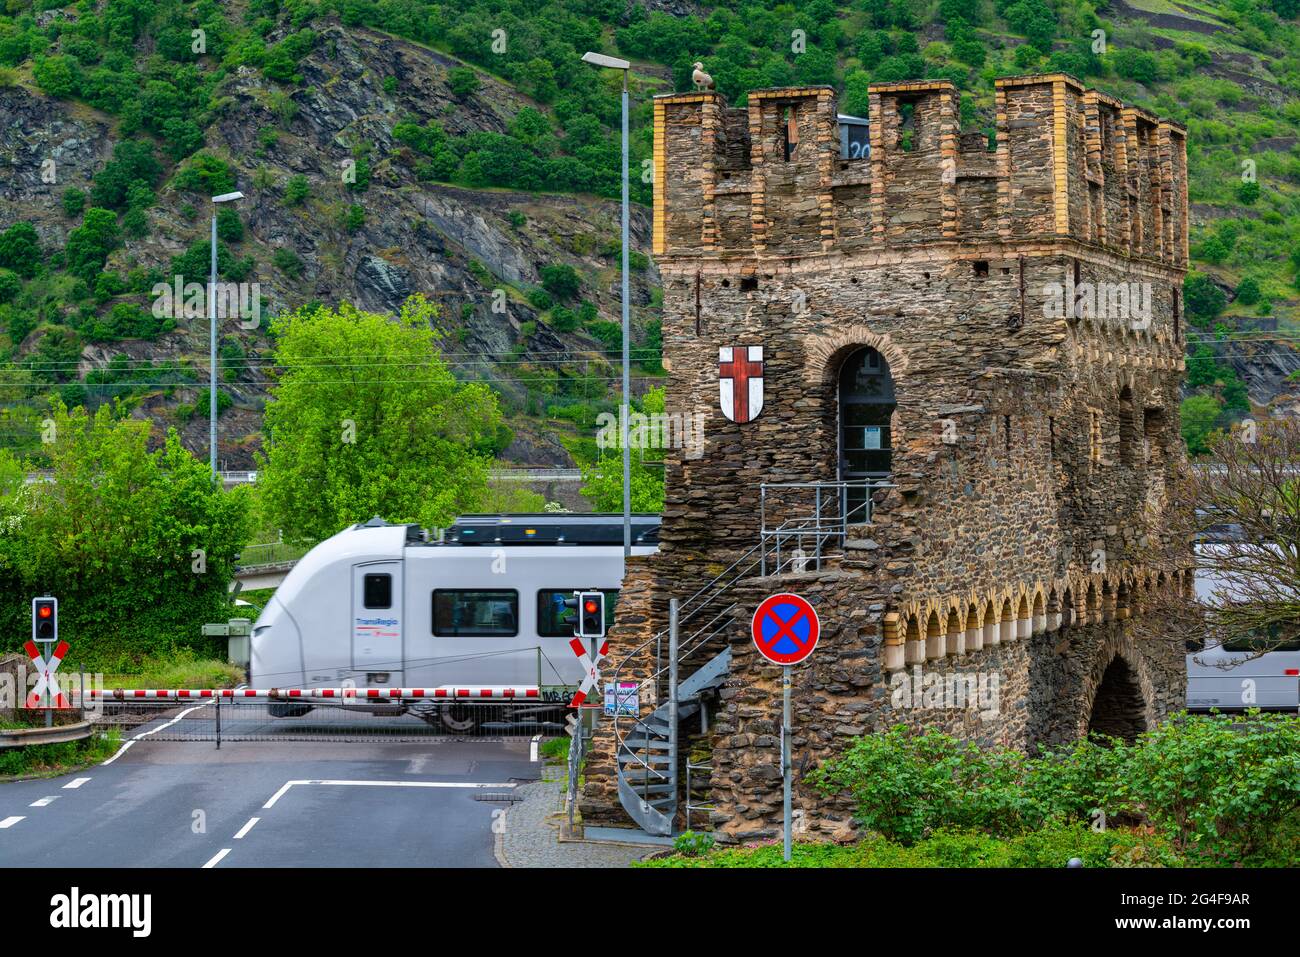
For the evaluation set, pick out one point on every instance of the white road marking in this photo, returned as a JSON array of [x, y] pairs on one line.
[[11, 821], [532, 749], [144, 734], [75, 783], [44, 802], [388, 784], [247, 827], [216, 858]]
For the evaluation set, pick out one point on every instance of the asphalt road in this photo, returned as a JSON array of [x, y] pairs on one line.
[[270, 804]]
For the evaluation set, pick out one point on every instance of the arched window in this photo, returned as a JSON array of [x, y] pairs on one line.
[[866, 408]]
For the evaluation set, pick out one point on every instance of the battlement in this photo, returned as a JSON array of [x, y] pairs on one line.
[[772, 178]]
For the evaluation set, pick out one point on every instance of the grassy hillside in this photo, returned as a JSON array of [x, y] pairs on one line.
[[193, 97]]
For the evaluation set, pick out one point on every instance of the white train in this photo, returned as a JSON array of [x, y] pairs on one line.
[[1232, 677], [381, 605]]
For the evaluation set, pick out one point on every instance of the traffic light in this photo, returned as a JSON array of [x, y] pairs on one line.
[[45, 619], [591, 621], [590, 606]]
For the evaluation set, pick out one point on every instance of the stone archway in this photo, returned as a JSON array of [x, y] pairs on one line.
[[1119, 708]]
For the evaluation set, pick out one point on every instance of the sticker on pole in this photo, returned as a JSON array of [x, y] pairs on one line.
[[785, 629]]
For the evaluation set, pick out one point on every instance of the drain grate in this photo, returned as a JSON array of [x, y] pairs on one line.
[[497, 797]]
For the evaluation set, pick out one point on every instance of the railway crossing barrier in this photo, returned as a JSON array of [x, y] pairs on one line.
[[320, 714]]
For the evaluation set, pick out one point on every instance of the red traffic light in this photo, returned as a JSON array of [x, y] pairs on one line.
[[590, 607], [44, 611]]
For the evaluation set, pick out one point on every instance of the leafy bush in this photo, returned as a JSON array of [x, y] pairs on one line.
[[563, 319], [691, 844], [296, 190], [74, 201], [1052, 846], [1217, 788], [287, 261], [463, 81], [206, 174], [230, 228]]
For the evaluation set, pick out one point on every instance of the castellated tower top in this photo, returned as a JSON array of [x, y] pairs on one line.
[[777, 178]]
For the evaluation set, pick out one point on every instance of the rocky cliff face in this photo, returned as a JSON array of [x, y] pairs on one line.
[[415, 237]]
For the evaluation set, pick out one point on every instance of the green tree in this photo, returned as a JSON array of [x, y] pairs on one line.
[[602, 480], [561, 280], [138, 545], [91, 242], [1204, 298], [1199, 413], [57, 75], [20, 249], [1248, 291], [74, 201], [366, 419], [133, 163]]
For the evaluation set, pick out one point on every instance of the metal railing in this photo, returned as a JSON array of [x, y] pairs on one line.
[[578, 743], [823, 512], [271, 553]]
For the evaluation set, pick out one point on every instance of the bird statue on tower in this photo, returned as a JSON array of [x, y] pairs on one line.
[[702, 80]]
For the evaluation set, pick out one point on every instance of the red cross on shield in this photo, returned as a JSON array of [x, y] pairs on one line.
[[740, 382]]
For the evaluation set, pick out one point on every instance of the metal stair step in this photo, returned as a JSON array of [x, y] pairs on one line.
[[649, 789], [631, 762]]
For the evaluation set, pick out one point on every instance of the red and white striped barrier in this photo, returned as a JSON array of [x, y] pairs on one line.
[[475, 693]]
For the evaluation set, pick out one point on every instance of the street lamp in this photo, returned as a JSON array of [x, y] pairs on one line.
[[212, 327], [614, 63]]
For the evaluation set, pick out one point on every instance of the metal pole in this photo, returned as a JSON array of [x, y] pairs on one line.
[[218, 722], [785, 752], [212, 352], [627, 326], [672, 695]]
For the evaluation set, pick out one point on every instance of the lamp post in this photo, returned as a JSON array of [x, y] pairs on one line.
[[212, 328], [614, 63]]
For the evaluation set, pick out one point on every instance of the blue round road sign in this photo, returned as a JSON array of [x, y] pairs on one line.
[[785, 629]]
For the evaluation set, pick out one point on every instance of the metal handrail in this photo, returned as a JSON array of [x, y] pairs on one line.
[[693, 608], [819, 526], [661, 670]]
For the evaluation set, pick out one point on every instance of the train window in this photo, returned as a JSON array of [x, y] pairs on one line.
[[378, 591], [552, 621], [475, 613]]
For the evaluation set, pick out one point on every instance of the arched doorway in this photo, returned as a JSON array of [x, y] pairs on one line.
[[866, 408], [1119, 709]]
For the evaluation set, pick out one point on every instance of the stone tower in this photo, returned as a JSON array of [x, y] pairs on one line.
[[995, 337]]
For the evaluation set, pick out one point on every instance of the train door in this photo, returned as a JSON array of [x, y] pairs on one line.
[[377, 621]]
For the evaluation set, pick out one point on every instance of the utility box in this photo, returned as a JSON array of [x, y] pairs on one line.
[[237, 632]]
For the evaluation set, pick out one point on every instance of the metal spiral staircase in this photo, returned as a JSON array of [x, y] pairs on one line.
[[696, 644]]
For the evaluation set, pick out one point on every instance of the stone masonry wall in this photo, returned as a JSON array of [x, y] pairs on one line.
[[1026, 301]]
